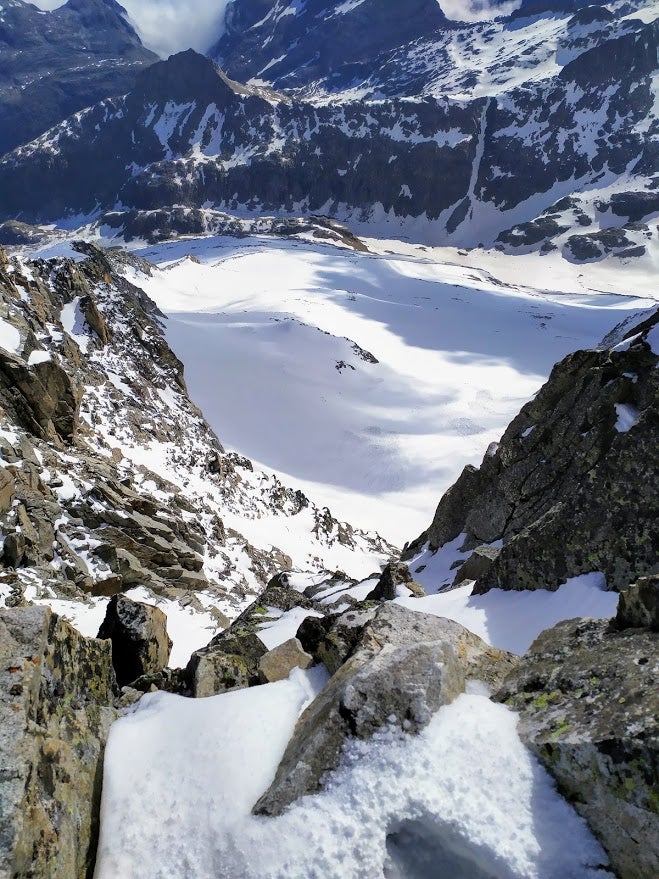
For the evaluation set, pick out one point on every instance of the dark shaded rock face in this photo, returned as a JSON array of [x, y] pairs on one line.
[[54, 64], [138, 632], [588, 701], [638, 606], [569, 488], [319, 40], [56, 697]]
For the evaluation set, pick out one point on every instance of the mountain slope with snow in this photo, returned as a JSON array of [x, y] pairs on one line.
[[548, 139]]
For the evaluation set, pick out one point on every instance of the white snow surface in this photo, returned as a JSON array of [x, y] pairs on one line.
[[463, 798], [512, 620], [268, 331], [10, 338]]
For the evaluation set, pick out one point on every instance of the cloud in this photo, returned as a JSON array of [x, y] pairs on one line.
[[167, 26], [477, 10]]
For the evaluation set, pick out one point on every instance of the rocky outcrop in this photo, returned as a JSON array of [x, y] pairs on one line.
[[56, 63], [587, 697], [394, 575], [56, 696], [638, 606], [566, 491], [236, 658], [44, 397], [138, 632], [390, 666]]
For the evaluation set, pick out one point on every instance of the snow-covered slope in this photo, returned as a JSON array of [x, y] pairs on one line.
[[111, 477], [498, 126], [365, 377]]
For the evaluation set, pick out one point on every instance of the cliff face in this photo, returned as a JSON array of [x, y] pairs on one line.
[[571, 486], [54, 64]]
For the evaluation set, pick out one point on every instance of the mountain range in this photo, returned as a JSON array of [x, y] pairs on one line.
[[328, 440], [536, 130]]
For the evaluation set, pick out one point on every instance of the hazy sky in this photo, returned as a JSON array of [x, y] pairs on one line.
[[167, 26]]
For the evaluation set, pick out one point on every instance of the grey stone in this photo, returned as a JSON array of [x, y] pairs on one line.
[[402, 666], [56, 695], [140, 644], [588, 701]]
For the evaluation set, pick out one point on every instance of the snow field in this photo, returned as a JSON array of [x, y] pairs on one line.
[[464, 795], [267, 332]]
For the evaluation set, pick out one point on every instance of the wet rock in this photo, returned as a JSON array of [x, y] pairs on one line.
[[278, 663], [140, 644], [589, 708], [56, 696]]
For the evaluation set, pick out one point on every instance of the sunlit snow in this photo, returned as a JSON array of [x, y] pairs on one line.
[[465, 795], [274, 337]]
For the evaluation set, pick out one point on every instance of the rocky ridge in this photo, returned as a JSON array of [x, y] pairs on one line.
[[111, 478], [566, 491], [505, 143]]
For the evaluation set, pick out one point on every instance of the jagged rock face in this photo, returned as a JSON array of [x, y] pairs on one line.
[[56, 696], [399, 668], [320, 39], [474, 151], [54, 64], [138, 632], [589, 708], [85, 511], [567, 489]]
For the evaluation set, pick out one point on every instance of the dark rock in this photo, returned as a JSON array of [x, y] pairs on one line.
[[14, 550], [638, 605], [395, 574], [44, 397], [589, 708], [477, 565], [140, 644], [56, 695]]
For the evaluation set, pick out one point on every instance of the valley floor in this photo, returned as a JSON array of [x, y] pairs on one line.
[[369, 380]]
